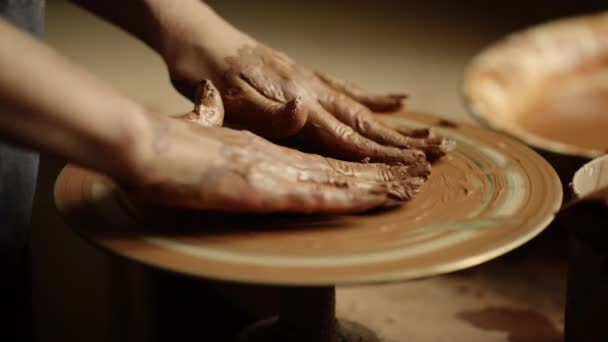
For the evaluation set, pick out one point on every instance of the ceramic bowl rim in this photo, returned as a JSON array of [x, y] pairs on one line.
[[485, 118]]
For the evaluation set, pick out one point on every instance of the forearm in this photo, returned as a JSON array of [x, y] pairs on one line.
[[50, 104], [167, 26]]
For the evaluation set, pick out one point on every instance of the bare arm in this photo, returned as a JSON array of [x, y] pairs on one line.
[[171, 27], [50, 104], [265, 91]]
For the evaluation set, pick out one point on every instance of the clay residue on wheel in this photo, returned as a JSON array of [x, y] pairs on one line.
[[520, 325]]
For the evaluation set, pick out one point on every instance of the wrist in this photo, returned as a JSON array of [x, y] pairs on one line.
[[135, 149], [197, 47]]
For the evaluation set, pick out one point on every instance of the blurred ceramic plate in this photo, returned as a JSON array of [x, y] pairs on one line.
[[547, 85], [591, 177]]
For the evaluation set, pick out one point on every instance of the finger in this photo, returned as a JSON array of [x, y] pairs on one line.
[[406, 189], [403, 182], [362, 120], [380, 172], [334, 138], [376, 103], [398, 189], [269, 118], [396, 186], [416, 132], [340, 173], [315, 198], [208, 106], [271, 192], [366, 171]]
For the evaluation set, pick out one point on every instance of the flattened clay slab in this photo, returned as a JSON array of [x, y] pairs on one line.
[[487, 197], [547, 85]]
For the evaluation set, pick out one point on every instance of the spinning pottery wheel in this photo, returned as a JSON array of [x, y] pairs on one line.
[[485, 198]]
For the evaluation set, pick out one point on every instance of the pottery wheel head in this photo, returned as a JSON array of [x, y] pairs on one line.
[[485, 198]]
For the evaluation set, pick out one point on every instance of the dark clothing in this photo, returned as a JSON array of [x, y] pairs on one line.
[[18, 170], [26, 14]]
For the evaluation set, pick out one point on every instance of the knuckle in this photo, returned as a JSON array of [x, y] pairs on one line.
[[386, 174], [345, 132], [346, 169], [362, 123]]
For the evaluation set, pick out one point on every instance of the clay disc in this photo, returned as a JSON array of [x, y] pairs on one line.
[[487, 197], [547, 85]]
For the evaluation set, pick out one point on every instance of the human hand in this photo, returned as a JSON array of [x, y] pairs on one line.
[[268, 93], [216, 168], [265, 91]]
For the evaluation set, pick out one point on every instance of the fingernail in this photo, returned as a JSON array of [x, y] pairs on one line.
[[418, 154], [405, 190], [416, 181], [398, 97], [400, 192], [420, 169]]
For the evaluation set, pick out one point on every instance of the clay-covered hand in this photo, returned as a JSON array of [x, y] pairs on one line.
[[217, 168], [208, 106], [269, 94]]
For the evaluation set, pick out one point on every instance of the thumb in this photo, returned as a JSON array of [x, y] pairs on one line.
[[208, 106]]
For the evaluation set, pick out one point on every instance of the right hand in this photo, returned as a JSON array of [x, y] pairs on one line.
[[270, 94], [216, 168]]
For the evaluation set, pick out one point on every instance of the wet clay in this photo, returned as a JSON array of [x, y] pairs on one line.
[[208, 106], [571, 108], [197, 165], [521, 325], [273, 96], [274, 178]]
